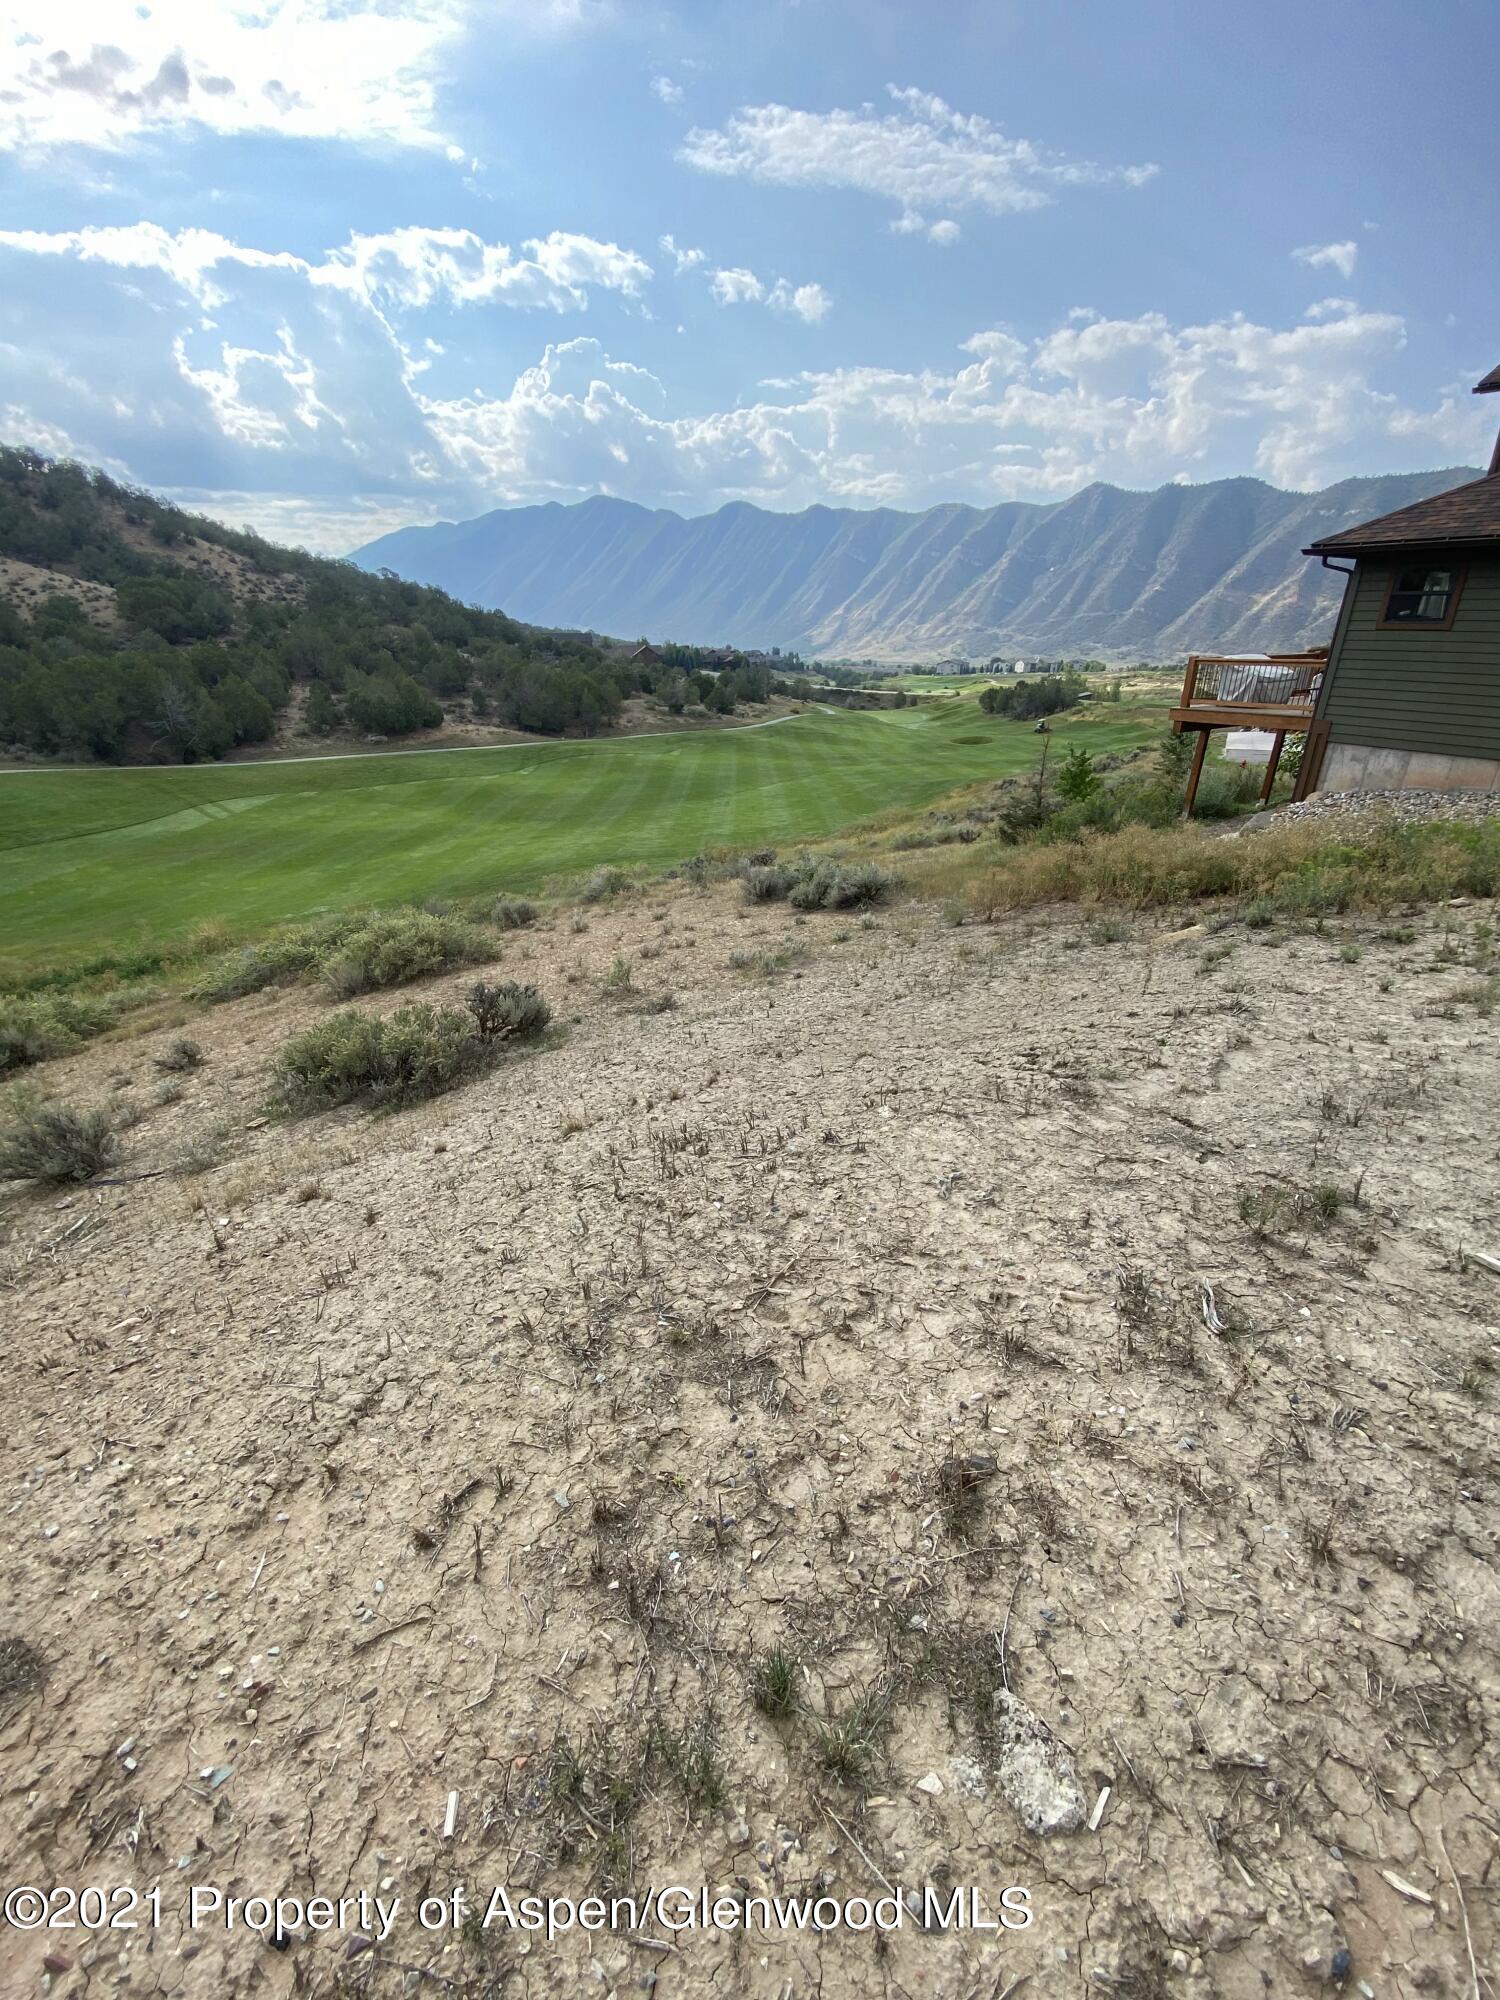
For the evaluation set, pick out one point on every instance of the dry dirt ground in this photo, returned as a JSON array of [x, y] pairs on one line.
[[853, 1305]]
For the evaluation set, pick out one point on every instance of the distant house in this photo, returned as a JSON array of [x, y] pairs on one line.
[[1408, 695], [645, 656]]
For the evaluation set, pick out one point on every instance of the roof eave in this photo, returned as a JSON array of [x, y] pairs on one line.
[[1418, 544]]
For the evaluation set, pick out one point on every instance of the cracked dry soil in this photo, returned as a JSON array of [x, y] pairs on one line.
[[856, 1308]]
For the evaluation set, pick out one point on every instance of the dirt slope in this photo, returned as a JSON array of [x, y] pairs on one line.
[[855, 1305]]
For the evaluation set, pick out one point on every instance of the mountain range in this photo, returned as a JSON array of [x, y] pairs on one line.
[[1106, 573]]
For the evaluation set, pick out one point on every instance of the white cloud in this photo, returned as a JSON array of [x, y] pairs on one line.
[[739, 287], [668, 91], [923, 155], [97, 73], [736, 287], [1135, 401], [100, 73], [405, 268], [1340, 257], [809, 302], [1330, 309], [412, 267], [683, 258], [258, 373]]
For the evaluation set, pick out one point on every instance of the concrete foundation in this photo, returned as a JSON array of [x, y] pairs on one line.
[[1352, 767]]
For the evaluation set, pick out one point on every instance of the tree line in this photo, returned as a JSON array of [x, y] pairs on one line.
[[188, 670]]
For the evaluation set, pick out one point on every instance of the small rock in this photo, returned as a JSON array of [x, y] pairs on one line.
[[932, 1784], [1036, 1771]]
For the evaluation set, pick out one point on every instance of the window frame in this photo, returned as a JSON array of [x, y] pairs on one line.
[[1459, 571]]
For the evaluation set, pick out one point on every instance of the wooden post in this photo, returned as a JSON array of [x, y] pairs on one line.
[[1196, 773], [1191, 681], [1271, 764]]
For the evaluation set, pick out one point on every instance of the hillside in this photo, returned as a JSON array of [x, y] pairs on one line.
[[668, 1457], [133, 632], [1106, 572]]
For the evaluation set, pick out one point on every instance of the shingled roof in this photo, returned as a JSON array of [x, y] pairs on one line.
[[1467, 514]]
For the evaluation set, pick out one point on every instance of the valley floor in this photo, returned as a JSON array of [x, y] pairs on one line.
[[889, 1299]]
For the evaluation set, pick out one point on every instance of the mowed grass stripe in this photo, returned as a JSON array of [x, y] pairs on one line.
[[97, 860]]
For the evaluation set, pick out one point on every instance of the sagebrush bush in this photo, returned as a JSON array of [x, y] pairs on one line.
[[809, 884], [55, 1143], [603, 884], [180, 1056], [279, 959], [405, 945], [839, 885], [36, 1027], [513, 913], [766, 883], [353, 951], [417, 1052], [506, 1012]]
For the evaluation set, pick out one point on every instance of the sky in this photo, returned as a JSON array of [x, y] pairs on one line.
[[327, 267]]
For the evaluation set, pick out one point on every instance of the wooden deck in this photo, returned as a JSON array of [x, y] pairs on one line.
[[1277, 691], [1272, 691]]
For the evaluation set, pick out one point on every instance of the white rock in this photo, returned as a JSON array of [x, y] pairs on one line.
[[932, 1784], [1036, 1771]]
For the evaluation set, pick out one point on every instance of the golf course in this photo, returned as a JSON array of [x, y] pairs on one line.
[[101, 860]]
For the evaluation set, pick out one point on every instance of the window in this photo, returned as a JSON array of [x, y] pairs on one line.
[[1425, 597]]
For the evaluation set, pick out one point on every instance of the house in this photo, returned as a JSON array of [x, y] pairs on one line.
[[645, 656], [1408, 694]]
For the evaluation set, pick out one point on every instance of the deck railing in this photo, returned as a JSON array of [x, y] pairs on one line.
[[1278, 680]]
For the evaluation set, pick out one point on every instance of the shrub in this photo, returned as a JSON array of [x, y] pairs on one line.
[[1226, 789], [406, 945], [54, 1143], [842, 886], [513, 913], [417, 1052], [604, 883], [34, 1028], [819, 885], [767, 883], [180, 1056], [506, 1012], [279, 959]]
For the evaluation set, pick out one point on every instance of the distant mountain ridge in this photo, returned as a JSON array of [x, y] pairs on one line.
[[1106, 572]]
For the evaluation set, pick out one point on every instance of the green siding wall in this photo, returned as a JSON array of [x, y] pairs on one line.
[[1415, 690]]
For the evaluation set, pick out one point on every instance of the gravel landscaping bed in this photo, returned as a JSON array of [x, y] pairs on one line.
[[1407, 806]]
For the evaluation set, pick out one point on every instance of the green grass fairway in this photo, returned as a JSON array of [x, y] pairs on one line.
[[103, 860]]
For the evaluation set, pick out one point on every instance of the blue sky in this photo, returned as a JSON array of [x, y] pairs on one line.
[[329, 266]]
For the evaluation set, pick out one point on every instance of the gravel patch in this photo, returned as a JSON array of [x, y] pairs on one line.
[[1407, 807]]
